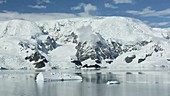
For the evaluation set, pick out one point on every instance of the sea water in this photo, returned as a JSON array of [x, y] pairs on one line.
[[94, 83]]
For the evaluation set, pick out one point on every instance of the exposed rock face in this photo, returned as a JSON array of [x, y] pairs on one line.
[[76, 62], [39, 60], [130, 59], [41, 47], [2, 68], [106, 50], [157, 48], [92, 66], [98, 50], [35, 57], [136, 46], [71, 38], [141, 60], [40, 64], [98, 61], [38, 51], [48, 45]]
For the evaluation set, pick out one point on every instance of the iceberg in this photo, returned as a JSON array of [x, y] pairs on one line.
[[113, 82], [55, 76]]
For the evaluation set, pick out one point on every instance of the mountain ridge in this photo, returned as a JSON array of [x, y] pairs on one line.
[[53, 44]]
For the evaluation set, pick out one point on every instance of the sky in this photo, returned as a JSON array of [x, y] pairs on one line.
[[155, 13]]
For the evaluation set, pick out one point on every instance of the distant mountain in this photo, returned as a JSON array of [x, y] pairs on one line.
[[107, 41]]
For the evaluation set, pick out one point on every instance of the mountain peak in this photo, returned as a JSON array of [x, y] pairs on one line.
[[98, 39], [19, 28]]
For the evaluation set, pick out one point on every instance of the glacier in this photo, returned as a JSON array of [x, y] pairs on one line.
[[111, 42]]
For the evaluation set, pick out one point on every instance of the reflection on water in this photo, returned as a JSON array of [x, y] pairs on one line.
[[99, 78], [93, 84]]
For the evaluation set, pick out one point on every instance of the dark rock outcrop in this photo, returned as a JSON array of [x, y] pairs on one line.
[[128, 73], [148, 55], [141, 60], [157, 48], [98, 61], [47, 45], [35, 57], [140, 73], [106, 49], [130, 59], [39, 60], [92, 66], [3, 68], [101, 50], [40, 64], [39, 50], [77, 62], [109, 61]]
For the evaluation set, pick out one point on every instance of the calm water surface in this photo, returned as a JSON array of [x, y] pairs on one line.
[[93, 84]]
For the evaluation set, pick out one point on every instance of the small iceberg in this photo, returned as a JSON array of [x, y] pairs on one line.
[[52, 76], [113, 82]]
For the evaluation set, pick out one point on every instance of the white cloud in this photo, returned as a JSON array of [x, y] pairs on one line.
[[37, 6], [122, 1], [158, 24], [79, 7], [46, 1], [88, 8], [148, 12], [2, 1], [40, 4], [145, 12], [7, 15], [43, 1], [108, 5]]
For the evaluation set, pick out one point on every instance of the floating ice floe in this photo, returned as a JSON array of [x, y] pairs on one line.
[[113, 82], [52, 76]]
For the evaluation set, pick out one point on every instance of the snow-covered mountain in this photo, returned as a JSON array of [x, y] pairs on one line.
[[108, 41]]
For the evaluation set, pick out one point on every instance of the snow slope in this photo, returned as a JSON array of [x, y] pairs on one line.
[[113, 41], [108, 27]]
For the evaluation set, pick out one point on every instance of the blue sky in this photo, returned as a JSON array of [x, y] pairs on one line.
[[156, 13]]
